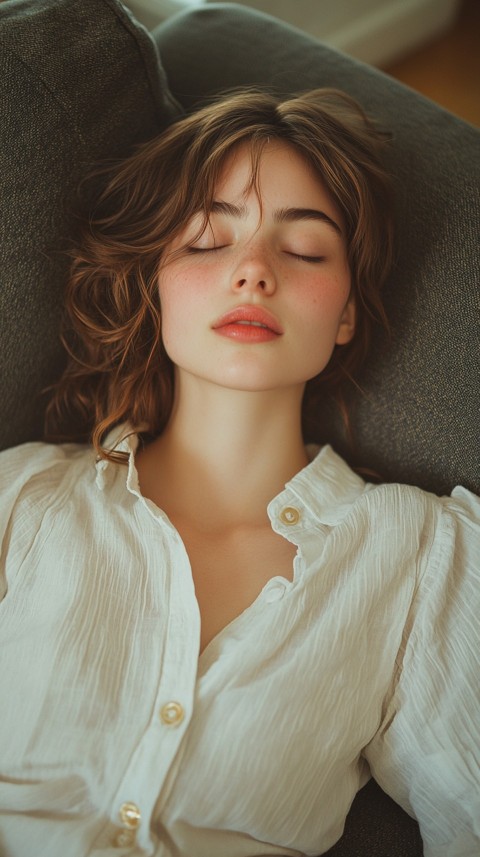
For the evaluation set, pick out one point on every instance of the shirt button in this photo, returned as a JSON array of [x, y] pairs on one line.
[[172, 713], [290, 516], [130, 815]]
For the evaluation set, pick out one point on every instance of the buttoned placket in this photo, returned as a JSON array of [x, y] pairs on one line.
[[140, 790], [153, 760]]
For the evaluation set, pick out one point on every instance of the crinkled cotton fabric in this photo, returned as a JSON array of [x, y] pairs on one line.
[[119, 737]]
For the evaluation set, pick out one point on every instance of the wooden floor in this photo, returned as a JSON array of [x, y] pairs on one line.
[[448, 69]]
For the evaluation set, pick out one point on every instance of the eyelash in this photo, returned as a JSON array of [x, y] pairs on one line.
[[203, 249], [311, 259]]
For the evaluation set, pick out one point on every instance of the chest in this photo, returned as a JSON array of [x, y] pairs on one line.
[[230, 570]]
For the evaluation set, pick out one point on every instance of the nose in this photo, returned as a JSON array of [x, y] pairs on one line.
[[254, 272]]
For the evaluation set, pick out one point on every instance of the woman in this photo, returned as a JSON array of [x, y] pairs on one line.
[[214, 642]]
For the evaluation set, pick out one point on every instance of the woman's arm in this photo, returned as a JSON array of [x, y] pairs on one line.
[[426, 754]]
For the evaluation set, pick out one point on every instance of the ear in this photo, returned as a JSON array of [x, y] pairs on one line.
[[346, 328]]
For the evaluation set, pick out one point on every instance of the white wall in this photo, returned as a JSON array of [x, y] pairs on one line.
[[375, 31]]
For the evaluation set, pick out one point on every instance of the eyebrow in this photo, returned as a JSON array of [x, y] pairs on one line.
[[282, 215], [290, 215], [228, 208]]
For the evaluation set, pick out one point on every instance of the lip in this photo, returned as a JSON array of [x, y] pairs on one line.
[[235, 323]]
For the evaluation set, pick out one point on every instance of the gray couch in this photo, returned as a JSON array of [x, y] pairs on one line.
[[80, 81]]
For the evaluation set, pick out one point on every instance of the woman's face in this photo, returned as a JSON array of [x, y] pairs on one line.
[[260, 299]]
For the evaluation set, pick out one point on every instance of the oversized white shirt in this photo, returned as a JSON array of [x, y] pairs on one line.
[[117, 738]]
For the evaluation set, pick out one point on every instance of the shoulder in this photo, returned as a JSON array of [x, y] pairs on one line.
[[35, 479], [45, 463], [40, 455], [337, 492], [403, 518]]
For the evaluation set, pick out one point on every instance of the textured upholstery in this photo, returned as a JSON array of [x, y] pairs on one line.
[[377, 827], [80, 81], [418, 420]]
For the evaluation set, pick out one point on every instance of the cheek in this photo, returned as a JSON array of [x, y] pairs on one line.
[[181, 301], [321, 300]]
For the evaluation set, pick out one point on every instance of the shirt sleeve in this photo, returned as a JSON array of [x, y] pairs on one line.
[[20, 469], [426, 752]]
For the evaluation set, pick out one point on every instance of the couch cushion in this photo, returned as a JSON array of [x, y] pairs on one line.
[[418, 419], [80, 81]]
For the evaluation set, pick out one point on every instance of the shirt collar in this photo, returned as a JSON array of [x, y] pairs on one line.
[[325, 488], [120, 439]]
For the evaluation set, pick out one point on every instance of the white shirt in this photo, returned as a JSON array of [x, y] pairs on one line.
[[117, 738]]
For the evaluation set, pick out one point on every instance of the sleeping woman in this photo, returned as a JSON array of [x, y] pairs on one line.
[[213, 630]]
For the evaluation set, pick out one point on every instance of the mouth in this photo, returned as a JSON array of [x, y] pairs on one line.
[[253, 324], [249, 317]]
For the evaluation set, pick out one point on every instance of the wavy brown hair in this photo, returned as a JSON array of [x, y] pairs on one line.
[[117, 368]]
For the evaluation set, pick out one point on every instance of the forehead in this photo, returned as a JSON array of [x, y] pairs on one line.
[[273, 182], [278, 174]]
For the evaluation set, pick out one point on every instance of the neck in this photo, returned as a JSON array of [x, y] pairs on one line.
[[225, 454]]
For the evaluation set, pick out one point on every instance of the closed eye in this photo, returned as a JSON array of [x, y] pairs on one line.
[[205, 249], [311, 259]]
